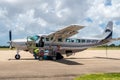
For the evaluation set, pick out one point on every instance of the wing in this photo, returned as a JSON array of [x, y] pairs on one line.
[[65, 33]]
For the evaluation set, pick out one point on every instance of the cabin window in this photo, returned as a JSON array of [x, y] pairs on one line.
[[78, 40], [88, 41], [83, 41], [51, 38], [72, 40], [67, 40], [94, 41], [47, 39], [59, 39]]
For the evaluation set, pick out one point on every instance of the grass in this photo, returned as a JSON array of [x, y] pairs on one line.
[[4, 48], [104, 76]]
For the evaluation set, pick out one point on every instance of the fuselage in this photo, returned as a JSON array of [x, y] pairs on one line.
[[66, 45]]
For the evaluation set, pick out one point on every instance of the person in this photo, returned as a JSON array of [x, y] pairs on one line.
[[41, 42], [36, 51], [54, 50], [57, 52], [50, 50]]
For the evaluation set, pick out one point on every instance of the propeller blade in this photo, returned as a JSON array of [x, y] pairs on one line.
[[10, 35], [10, 39]]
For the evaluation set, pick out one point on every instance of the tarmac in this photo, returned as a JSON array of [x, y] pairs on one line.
[[85, 62]]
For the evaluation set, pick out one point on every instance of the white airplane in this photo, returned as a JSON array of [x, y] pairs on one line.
[[62, 38]]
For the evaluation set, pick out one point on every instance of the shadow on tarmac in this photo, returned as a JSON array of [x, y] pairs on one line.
[[78, 58], [97, 58], [63, 61], [108, 58], [68, 62], [23, 59]]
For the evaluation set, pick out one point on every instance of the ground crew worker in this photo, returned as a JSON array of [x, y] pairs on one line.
[[57, 52], [36, 51], [56, 48], [50, 50]]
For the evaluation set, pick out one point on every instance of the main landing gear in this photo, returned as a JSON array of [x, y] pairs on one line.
[[17, 56]]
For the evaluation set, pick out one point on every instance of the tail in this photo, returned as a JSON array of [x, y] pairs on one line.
[[108, 31]]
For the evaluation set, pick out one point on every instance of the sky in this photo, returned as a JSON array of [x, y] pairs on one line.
[[30, 17]]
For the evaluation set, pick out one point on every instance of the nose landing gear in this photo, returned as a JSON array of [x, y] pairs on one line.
[[17, 56]]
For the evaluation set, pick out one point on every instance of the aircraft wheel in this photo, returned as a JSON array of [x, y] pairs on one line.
[[59, 56], [54, 58], [40, 58], [36, 57], [17, 56]]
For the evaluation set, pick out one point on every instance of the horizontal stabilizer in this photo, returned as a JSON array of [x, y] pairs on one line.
[[115, 39]]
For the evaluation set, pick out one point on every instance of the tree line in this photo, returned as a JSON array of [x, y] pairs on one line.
[[4, 46], [111, 45]]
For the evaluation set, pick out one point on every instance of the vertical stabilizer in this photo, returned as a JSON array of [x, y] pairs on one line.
[[109, 30]]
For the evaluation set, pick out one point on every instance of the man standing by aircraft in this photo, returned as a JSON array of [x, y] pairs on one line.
[[41, 42]]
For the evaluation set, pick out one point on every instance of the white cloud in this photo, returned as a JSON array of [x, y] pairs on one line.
[[98, 10], [11, 1], [28, 17], [3, 13], [101, 14], [64, 12]]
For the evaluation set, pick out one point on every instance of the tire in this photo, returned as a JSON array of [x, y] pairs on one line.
[[40, 58], [59, 56], [36, 57], [17, 56], [54, 58]]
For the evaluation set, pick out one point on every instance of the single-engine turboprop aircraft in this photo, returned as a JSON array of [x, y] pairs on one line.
[[62, 39]]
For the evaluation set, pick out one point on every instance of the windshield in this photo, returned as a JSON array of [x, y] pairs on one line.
[[34, 38]]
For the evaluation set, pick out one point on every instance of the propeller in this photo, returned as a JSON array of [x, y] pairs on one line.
[[10, 39]]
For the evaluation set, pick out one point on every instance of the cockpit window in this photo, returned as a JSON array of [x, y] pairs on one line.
[[34, 38]]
